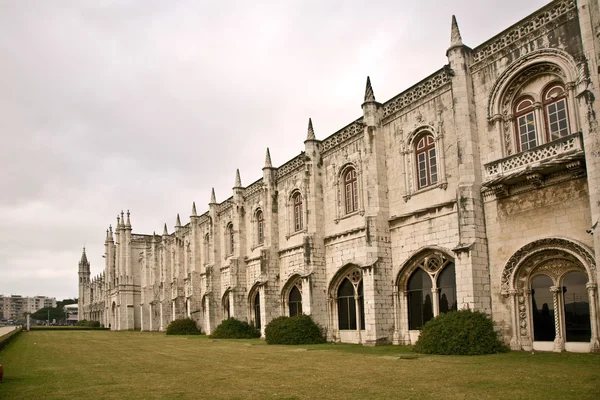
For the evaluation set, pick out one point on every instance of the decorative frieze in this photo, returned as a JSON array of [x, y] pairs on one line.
[[519, 31], [421, 89], [293, 165], [351, 131]]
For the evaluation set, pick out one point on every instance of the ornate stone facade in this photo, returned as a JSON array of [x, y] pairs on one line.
[[479, 187]]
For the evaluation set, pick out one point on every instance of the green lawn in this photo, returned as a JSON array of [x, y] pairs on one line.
[[134, 365]]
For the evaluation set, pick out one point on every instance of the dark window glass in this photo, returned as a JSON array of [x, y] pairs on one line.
[[447, 285], [361, 304], [226, 307], [577, 308], [420, 304], [295, 302], [543, 309], [257, 310], [298, 223], [346, 306]]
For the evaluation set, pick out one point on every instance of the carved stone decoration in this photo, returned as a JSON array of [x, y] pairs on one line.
[[351, 131], [537, 21], [542, 249], [430, 260]]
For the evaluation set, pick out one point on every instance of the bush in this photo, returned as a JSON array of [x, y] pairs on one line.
[[66, 328], [463, 332], [300, 329], [89, 324], [7, 338], [231, 328], [185, 326]]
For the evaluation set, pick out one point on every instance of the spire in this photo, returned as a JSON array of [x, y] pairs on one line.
[[84, 261], [122, 218], [107, 236], [311, 131], [165, 231], [194, 214], [455, 39], [213, 198], [128, 223], [369, 95], [238, 180], [177, 222], [110, 233], [268, 163], [118, 222]]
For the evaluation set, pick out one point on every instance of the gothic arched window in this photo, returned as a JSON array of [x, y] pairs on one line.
[[555, 106], [295, 302], [260, 227], [298, 222], [229, 239], [257, 310], [425, 302], [350, 190], [426, 161], [350, 306], [525, 124]]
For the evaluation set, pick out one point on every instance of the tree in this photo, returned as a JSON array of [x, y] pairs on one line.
[[43, 313], [62, 303]]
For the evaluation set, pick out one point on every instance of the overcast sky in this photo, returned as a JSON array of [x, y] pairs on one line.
[[146, 105]]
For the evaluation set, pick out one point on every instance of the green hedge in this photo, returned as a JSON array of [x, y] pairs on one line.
[[67, 328], [91, 324], [231, 328], [186, 326], [463, 332], [300, 329], [6, 339]]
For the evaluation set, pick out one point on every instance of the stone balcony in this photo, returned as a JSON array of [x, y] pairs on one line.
[[536, 167]]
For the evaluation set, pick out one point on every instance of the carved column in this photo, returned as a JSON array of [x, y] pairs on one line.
[[525, 334], [395, 299], [435, 300], [559, 343], [539, 125], [514, 340], [594, 345]]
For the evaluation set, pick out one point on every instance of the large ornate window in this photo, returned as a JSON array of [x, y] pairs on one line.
[[541, 115], [555, 106], [229, 239], [256, 307], [298, 221], [206, 248], [350, 303], [260, 227], [295, 301], [350, 190], [426, 161], [430, 290]]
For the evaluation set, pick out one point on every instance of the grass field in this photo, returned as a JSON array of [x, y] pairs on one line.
[[134, 365]]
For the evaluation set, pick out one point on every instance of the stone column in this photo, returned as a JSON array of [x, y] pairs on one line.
[[514, 339], [594, 345], [559, 343]]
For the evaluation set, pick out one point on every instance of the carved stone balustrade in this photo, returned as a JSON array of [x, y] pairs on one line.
[[531, 167]]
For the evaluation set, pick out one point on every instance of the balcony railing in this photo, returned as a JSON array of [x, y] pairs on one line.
[[555, 150]]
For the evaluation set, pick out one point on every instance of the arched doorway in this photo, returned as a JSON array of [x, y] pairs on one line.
[[551, 287]]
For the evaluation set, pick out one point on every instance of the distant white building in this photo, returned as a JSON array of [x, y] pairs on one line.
[[72, 311], [14, 306]]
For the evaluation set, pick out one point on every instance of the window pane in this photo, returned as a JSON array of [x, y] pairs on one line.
[[433, 166], [346, 289], [447, 286], [343, 318], [557, 117], [361, 302], [420, 305], [527, 132], [257, 310], [346, 306], [577, 308], [543, 308]]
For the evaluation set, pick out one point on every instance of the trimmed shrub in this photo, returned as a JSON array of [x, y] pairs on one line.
[[463, 332], [186, 326], [89, 324], [300, 329], [66, 328], [231, 328]]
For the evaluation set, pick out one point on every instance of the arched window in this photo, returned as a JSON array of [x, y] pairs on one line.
[[350, 305], [543, 308], [298, 222], [260, 227], [426, 161], [350, 190], [229, 239], [206, 249], [555, 105], [525, 124], [424, 302], [576, 307], [257, 310], [226, 306], [295, 302]]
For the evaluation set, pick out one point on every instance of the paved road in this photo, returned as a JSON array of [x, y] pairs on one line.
[[5, 329]]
